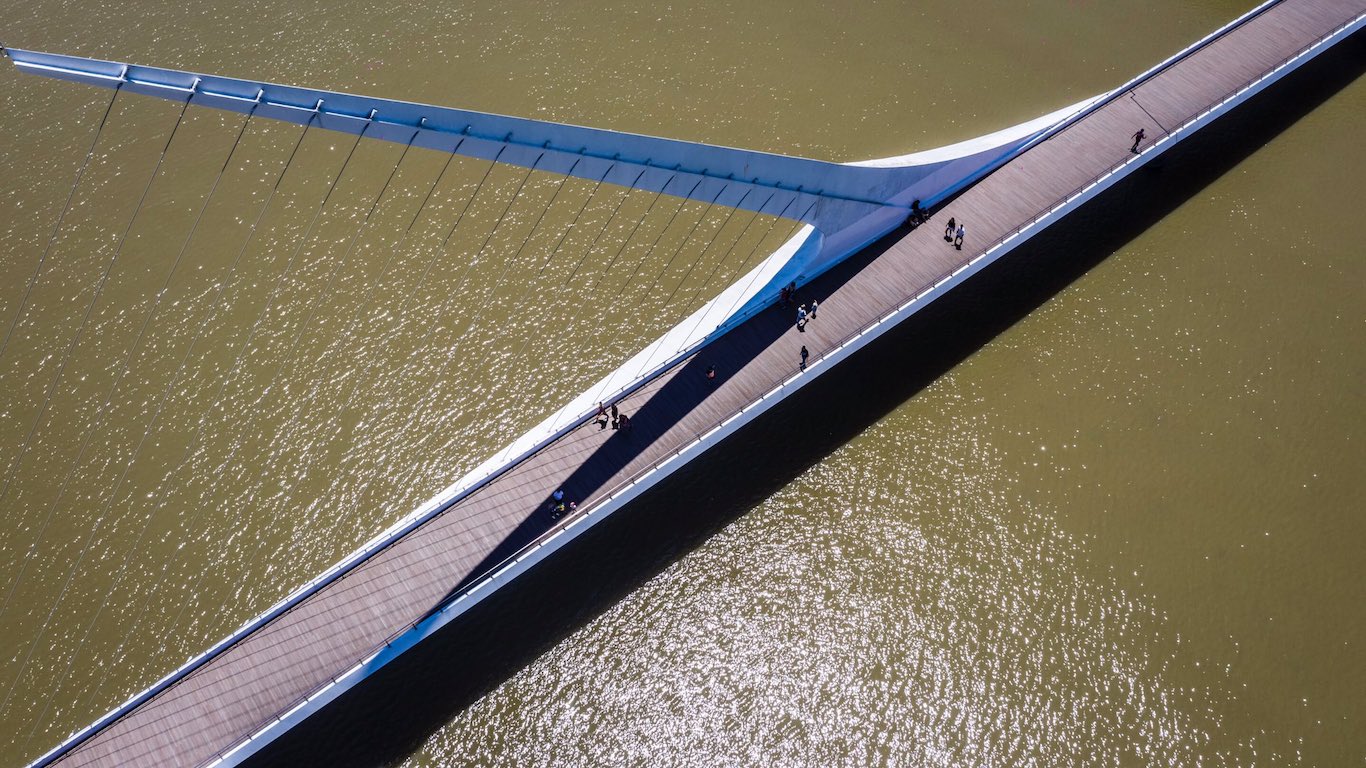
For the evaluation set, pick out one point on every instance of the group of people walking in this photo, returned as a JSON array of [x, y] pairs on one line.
[[788, 297], [954, 233], [619, 420]]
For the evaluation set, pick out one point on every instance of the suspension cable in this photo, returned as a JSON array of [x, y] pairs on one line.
[[747, 257], [707, 248], [526, 340], [184, 247], [463, 211], [337, 265], [700, 288], [717, 266], [740, 268], [407, 300], [607, 269], [645, 256], [534, 227], [583, 258], [679, 249], [207, 320], [449, 234], [57, 228], [412, 293], [591, 195], [312, 312], [346, 334], [103, 411], [659, 237], [488, 351], [212, 313], [507, 264], [578, 311], [241, 354], [85, 319], [65, 359], [799, 223], [598, 237], [550, 256]]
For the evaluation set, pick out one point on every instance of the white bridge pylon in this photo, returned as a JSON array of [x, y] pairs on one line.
[[847, 205]]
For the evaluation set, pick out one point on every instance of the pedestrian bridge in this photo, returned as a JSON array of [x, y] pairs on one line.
[[493, 524]]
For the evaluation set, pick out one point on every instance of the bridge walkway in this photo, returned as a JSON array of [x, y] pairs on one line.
[[275, 668]]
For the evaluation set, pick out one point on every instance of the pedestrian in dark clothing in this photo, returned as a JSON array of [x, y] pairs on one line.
[[916, 217], [616, 418], [949, 230], [1139, 136], [625, 423], [805, 354], [711, 373], [958, 237]]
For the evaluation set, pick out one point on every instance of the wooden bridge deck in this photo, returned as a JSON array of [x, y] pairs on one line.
[[273, 669]]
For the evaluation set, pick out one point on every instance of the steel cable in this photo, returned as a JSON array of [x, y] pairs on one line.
[[707, 248], [103, 411], [89, 309], [104, 278], [57, 228], [261, 542], [681, 243], [450, 354], [171, 386], [421, 281], [313, 307], [165, 494], [184, 247]]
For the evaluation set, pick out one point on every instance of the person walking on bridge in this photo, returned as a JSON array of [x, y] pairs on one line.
[[958, 237], [1139, 136], [805, 355], [949, 230]]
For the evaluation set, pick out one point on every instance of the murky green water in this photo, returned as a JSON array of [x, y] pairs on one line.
[[1125, 531]]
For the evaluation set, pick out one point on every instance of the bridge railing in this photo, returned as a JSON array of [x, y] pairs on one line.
[[780, 386]]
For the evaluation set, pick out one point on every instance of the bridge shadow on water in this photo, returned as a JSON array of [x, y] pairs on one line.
[[388, 716]]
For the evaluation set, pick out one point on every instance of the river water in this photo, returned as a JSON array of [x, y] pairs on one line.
[[1124, 529]]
